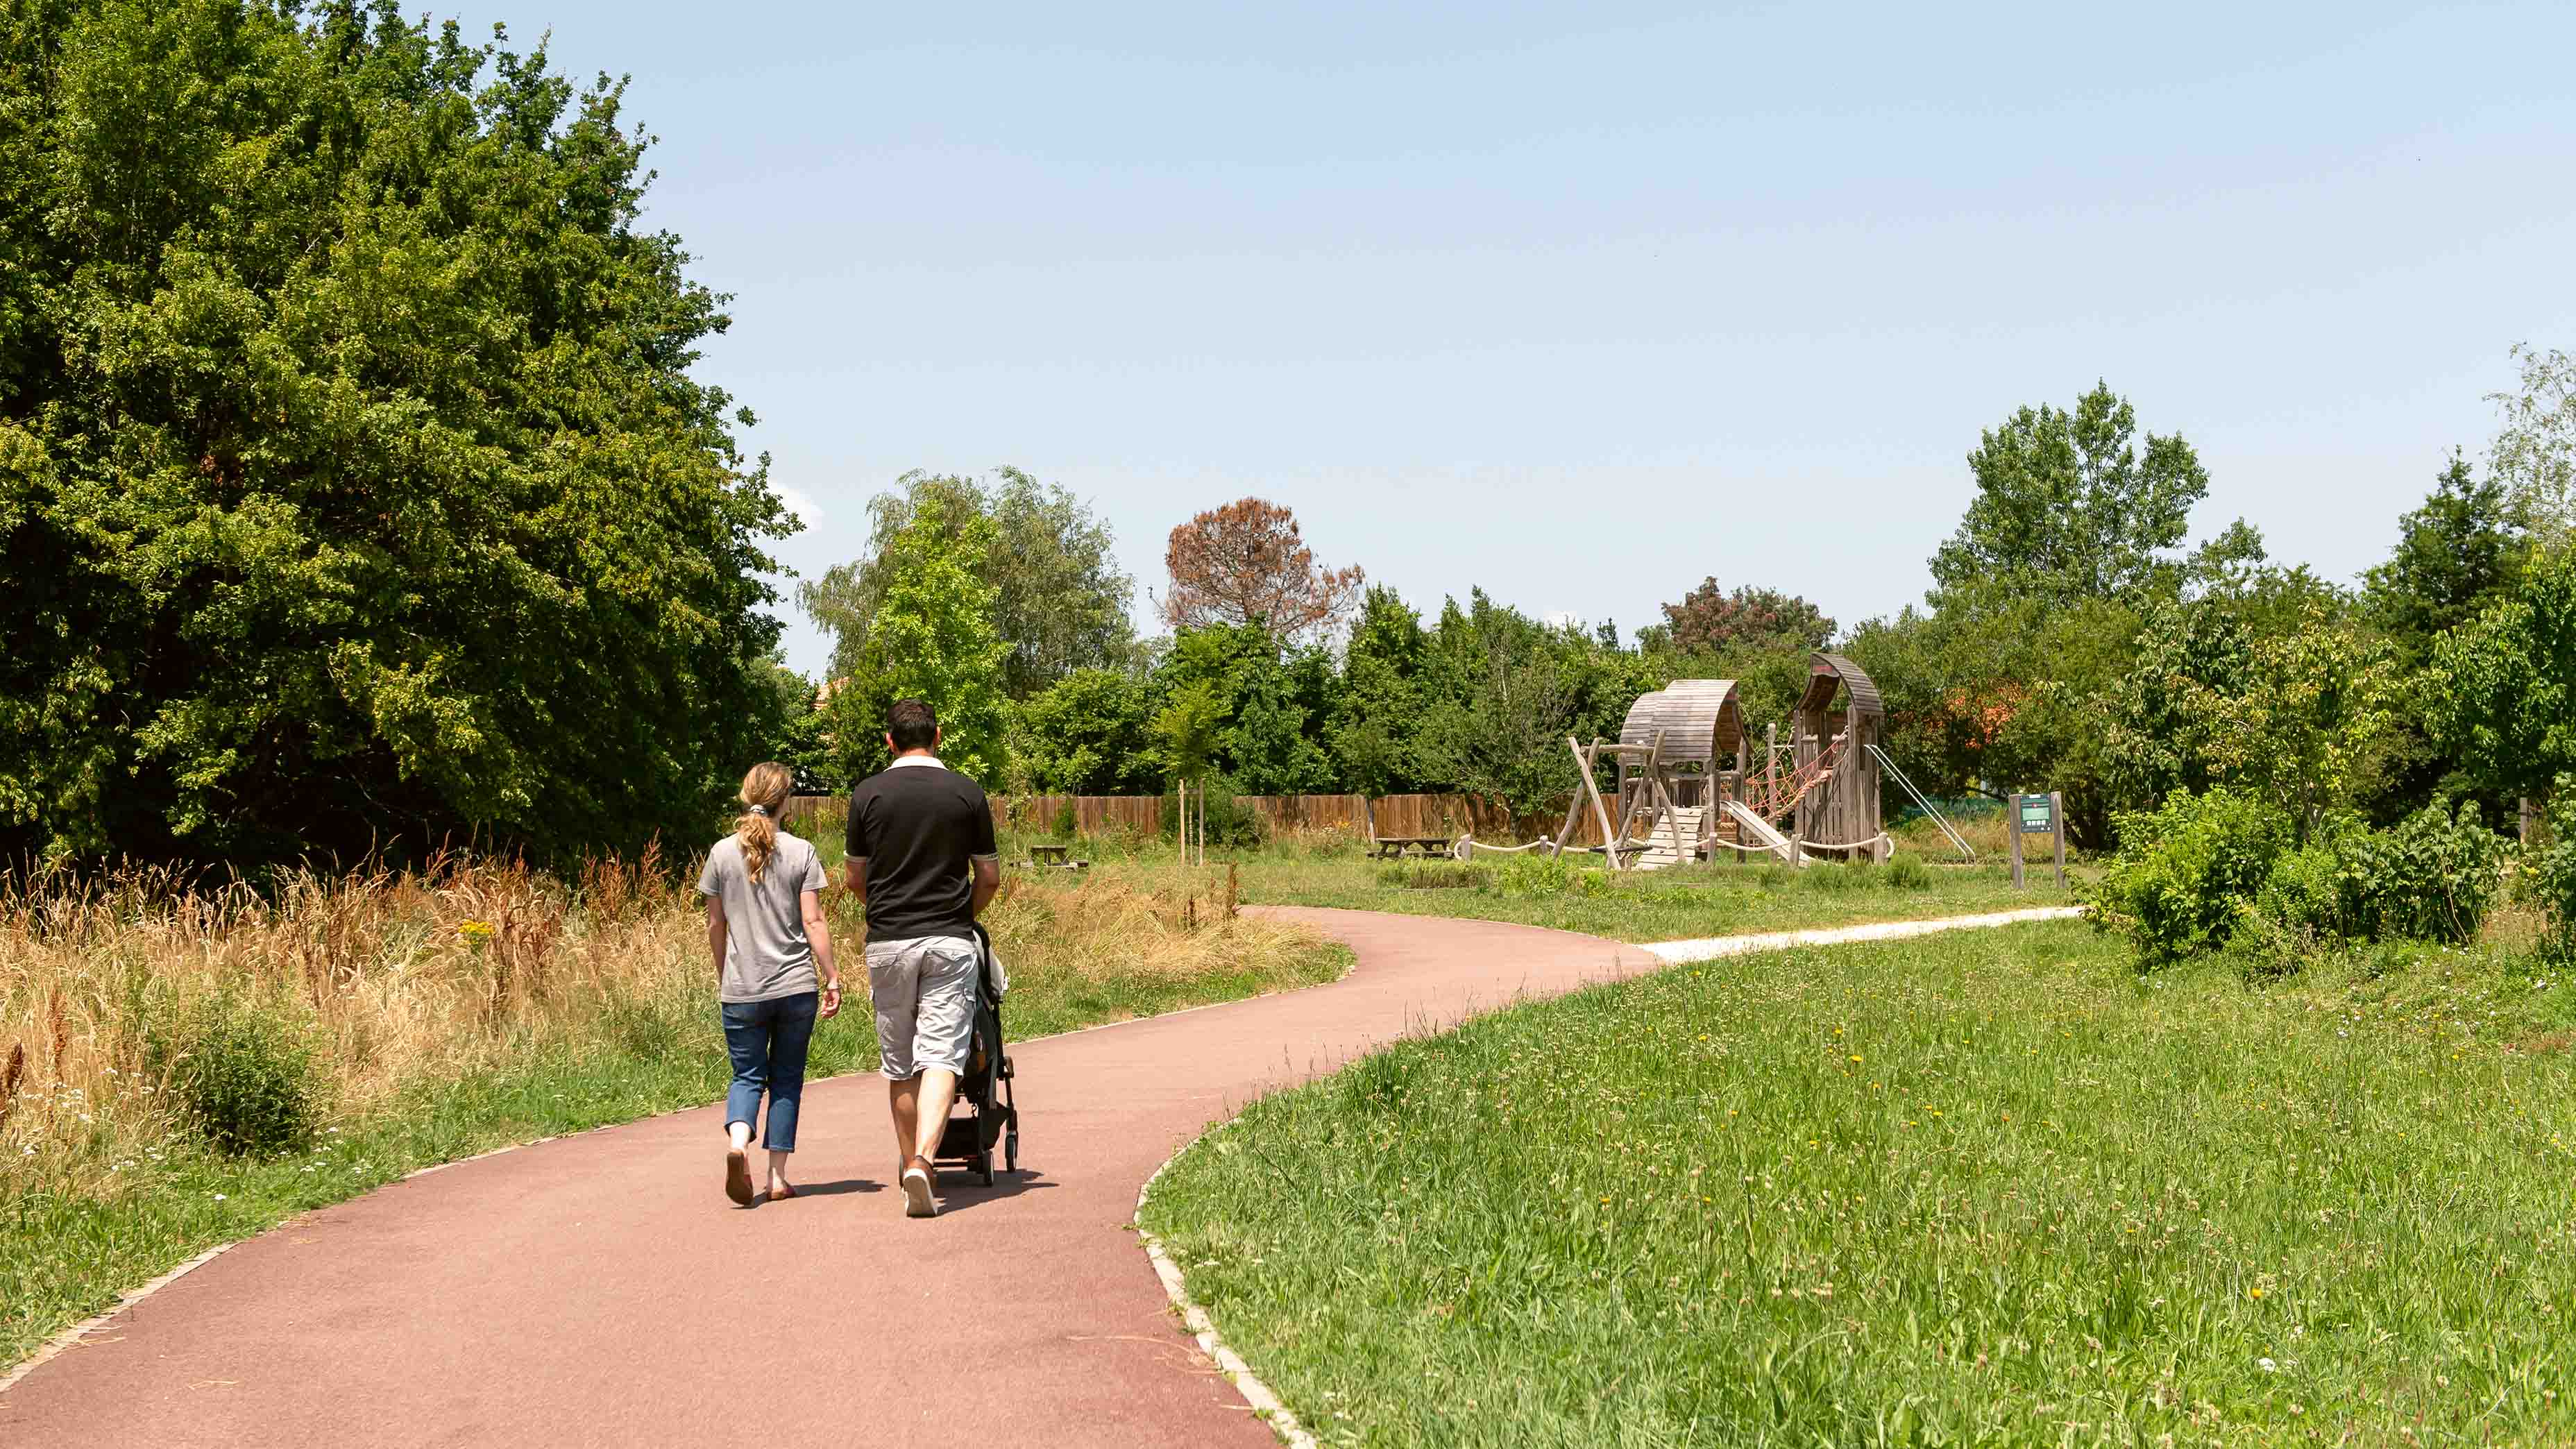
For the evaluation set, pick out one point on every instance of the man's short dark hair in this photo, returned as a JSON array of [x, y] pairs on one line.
[[913, 725]]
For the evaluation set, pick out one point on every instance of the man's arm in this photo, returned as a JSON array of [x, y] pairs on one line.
[[988, 881], [854, 874]]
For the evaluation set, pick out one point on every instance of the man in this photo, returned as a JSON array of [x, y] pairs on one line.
[[922, 860]]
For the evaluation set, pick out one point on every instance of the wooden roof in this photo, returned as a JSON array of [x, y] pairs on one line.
[[1699, 717], [1825, 671]]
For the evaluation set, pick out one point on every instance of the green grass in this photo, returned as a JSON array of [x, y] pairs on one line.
[[1992, 1188], [67, 1254], [1705, 900]]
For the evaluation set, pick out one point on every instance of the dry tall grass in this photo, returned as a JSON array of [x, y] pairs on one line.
[[395, 979]]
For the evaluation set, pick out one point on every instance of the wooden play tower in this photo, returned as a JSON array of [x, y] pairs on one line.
[[1838, 734]]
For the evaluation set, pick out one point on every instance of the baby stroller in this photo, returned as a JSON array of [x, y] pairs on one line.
[[984, 1088]]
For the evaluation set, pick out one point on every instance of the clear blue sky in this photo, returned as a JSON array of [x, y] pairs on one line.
[[1585, 303]]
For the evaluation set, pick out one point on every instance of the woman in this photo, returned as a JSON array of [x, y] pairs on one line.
[[765, 930]]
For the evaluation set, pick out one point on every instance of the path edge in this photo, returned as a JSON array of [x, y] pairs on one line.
[[76, 1334], [1265, 1403]]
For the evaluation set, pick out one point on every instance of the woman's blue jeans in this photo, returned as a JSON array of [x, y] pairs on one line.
[[767, 1041]]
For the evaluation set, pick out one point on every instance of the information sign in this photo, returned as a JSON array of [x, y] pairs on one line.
[[2038, 815]]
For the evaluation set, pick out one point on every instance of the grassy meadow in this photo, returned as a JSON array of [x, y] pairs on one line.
[[1331, 868], [1991, 1188], [184, 1068]]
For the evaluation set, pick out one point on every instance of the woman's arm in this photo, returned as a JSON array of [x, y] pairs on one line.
[[819, 933], [716, 933]]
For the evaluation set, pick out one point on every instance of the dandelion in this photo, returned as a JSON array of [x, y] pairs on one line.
[[2254, 1293]]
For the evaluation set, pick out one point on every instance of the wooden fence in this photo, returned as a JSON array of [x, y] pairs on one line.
[[1445, 816]]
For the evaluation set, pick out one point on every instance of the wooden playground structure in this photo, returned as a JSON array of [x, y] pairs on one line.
[[1686, 786]]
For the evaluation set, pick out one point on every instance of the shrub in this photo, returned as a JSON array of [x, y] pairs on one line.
[[2430, 877], [1833, 877], [2297, 916], [1549, 875], [246, 1080], [1068, 821], [1443, 875], [1230, 822], [2187, 874], [1906, 873], [2549, 874]]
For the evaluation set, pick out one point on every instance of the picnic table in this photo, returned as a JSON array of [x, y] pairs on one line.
[[1393, 847], [1049, 854]]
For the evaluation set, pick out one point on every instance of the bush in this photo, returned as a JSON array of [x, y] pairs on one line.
[[246, 1080], [2298, 915], [1444, 875], [2430, 877], [1549, 875], [2549, 874], [2188, 873], [1906, 873], [1230, 823], [1068, 821]]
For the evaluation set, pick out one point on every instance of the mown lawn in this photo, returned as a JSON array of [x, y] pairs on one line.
[[1705, 900], [1991, 1188]]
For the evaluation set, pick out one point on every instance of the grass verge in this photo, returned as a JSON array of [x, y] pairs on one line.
[[1987, 1188], [1703, 900], [352, 1030]]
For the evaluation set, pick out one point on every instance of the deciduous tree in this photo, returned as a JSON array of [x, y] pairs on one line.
[[1245, 563], [1710, 620], [355, 491], [2068, 508], [1059, 598], [932, 639]]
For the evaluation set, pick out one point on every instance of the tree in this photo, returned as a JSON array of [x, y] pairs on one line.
[[2534, 454], [2455, 555], [1710, 620], [1060, 599], [1086, 735], [1246, 564], [355, 493], [932, 639], [2067, 508], [2313, 723], [2501, 692], [1503, 693], [1376, 725]]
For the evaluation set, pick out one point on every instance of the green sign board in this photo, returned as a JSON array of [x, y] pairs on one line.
[[2038, 815]]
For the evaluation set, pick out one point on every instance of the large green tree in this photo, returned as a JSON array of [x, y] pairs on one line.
[[354, 489], [1059, 597], [932, 639], [2502, 688], [2069, 508]]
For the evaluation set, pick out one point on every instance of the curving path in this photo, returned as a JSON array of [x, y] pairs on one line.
[[599, 1289]]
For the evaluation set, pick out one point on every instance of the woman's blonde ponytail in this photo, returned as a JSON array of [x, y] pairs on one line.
[[764, 797]]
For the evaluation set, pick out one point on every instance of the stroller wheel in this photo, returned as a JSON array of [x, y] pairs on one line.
[[984, 1166], [1011, 1149]]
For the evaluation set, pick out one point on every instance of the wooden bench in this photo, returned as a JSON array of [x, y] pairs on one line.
[[1393, 847], [1056, 857]]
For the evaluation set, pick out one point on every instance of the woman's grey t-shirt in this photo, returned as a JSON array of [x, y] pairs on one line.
[[766, 953]]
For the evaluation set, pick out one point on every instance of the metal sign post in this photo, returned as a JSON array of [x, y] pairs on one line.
[[2039, 815]]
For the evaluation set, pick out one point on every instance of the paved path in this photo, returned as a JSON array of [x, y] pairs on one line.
[[599, 1290]]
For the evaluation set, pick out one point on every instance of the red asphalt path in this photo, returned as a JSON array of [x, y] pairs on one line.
[[598, 1289]]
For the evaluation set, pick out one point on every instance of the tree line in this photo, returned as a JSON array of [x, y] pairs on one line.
[[356, 498], [2071, 640]]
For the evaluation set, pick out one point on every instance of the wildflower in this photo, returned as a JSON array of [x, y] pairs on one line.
[[2254, 1293], [475, 933]]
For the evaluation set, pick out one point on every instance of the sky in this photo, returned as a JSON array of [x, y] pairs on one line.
[[1583, 304]]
